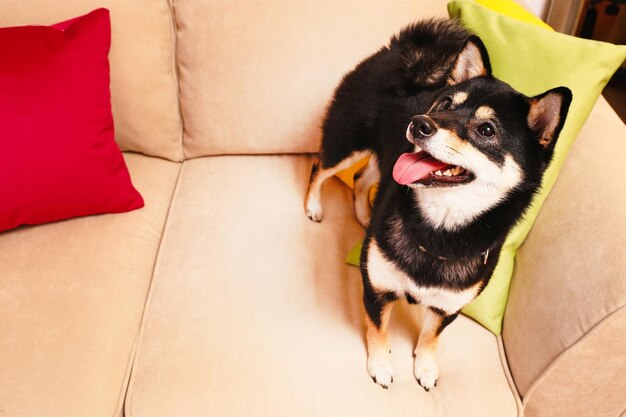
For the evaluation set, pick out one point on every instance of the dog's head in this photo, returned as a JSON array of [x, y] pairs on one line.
[[480, 141]]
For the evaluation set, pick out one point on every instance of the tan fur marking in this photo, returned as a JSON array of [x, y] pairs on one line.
[[485, 113], [459, 98], [454, 140], [456, 143], [377, 336], [545, 141], [428, 338]]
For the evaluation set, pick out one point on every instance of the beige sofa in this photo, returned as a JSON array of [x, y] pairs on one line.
[[220, 298]]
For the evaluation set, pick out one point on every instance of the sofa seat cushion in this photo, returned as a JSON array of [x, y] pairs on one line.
[[253, 311], [71, 298]]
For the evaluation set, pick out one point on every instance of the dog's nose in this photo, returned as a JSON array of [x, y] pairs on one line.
[[422, 127]]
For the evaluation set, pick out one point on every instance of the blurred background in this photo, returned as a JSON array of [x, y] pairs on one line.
[[603, 20]]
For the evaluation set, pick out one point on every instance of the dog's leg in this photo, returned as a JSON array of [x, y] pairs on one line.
[[319, 174], [363, 181], [378, 310], [425, 368]]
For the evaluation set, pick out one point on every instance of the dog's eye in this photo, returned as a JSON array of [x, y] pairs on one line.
[[445, 104], [486, 130]]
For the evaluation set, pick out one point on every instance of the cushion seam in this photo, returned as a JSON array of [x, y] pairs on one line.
[[561, 357], [509, 377], [176, 74], [125, 403], [124, 388], [217, 155]]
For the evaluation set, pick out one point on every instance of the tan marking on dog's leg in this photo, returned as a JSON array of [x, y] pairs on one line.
[[425, 367], [367, 177], [313, 199], [378, 350]]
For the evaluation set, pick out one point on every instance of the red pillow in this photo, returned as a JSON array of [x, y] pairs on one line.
[[58, 157]]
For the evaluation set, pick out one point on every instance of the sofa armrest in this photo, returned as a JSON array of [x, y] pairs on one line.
[[563, 326]]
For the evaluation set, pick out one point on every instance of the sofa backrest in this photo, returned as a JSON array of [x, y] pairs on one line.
[[241, 76], [256, 76], [144, 89]]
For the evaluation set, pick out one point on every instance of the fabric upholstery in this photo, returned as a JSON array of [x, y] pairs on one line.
[[576, 383], [143, 85], [71, 299], [256, 77], [570, 271], [254, 313]]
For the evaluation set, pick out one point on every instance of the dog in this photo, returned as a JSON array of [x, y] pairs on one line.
[[458, 156]]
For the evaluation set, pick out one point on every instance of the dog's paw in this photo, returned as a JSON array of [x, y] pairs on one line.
[[313, 211], [426, 371], [380, 370], [316, 216]]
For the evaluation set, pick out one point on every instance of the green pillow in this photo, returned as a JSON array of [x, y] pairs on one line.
[[532, 60]]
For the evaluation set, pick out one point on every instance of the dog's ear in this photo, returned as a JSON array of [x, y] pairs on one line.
[[547, 114], [472, 62]]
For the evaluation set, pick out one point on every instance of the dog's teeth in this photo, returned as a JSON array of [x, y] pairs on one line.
[[456, 170], [447, 173], [438, 173]]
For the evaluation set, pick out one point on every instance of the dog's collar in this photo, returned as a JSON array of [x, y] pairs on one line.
[[484, 255]]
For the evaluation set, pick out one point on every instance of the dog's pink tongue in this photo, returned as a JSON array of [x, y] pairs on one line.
[[411, 167]]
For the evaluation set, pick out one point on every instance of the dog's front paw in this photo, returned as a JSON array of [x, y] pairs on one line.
[[379, 368], [426, 371]]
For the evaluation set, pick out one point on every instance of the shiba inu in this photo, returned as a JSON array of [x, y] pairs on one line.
[[458, 155]]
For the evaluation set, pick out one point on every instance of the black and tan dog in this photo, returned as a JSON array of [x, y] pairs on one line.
[[459, 156]]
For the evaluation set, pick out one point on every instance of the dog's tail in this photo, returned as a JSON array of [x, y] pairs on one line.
[[428, 50]]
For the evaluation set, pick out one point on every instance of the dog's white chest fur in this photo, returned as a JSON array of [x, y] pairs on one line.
[[384, 276]]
